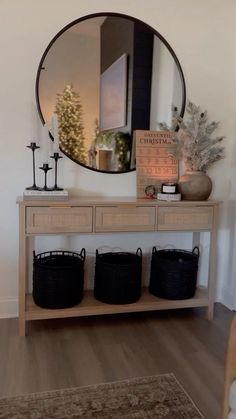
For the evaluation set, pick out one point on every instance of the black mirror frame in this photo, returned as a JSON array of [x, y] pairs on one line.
[[74, 22]]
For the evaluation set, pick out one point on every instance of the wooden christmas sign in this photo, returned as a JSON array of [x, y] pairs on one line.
[[156, 161]]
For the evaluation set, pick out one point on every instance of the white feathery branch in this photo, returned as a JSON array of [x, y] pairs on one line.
[[194, 143]]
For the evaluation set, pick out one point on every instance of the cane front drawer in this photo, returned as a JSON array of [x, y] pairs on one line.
[[46, 220], [124, 218], [176, 218]]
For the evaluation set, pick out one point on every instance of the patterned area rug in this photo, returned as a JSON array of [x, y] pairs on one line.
[[159, 396]]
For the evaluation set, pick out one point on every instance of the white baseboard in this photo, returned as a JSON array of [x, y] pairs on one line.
[[227, 299], [8, 308]]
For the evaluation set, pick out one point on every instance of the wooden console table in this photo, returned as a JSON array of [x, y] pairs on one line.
[[111, 215]]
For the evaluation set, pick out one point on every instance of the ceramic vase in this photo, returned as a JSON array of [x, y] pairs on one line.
[[195, 186]]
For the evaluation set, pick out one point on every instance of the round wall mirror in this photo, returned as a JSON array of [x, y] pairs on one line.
[[105, 76]]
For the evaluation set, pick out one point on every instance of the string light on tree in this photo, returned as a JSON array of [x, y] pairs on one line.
[[71, 129], [122, 150]]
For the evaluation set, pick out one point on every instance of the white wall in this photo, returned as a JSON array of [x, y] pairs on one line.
[[203, 36]]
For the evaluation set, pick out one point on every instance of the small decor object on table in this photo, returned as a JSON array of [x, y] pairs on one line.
[[33, 146], [169, 188], [54, 195], [169, 192], [155, 161], [169, 196], [150, 191], [199, 151]]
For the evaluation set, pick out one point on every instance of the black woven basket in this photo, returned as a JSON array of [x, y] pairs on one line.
[[174, 273], [58, 279], [118, 277]]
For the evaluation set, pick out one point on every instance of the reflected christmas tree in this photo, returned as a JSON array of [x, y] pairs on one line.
[[71, 129]]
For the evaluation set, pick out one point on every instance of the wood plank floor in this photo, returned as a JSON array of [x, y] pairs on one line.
[[76, 352]]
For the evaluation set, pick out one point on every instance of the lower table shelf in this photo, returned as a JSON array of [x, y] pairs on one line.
[[91, 307]]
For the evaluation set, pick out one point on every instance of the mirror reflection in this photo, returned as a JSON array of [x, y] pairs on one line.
[[106, 76]]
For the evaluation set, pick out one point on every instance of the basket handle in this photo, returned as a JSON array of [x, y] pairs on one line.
[[139, 252], [34, 254], [96, 252], [154, 250], [196, 251], [83, 253]]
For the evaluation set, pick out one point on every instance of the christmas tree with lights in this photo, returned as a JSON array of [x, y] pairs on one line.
[[71, 129]]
